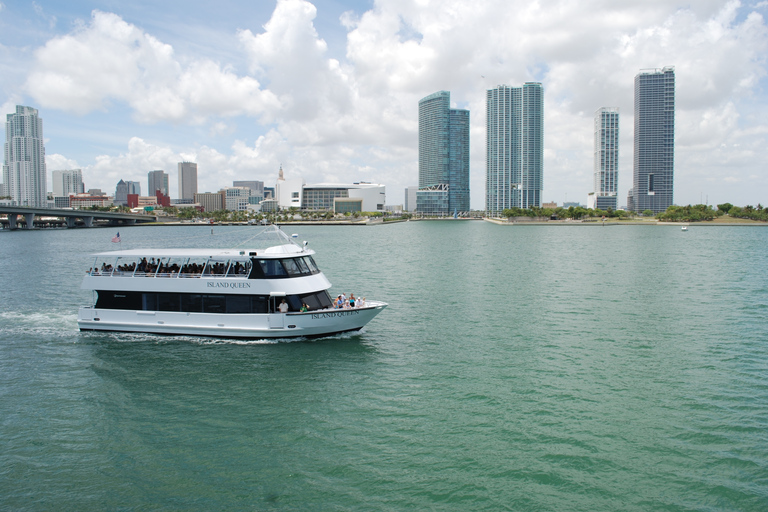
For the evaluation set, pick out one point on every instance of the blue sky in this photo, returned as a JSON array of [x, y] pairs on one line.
[[329, 89]]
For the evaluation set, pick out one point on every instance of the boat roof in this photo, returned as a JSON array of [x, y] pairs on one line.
[[275, 251], [270, 242]]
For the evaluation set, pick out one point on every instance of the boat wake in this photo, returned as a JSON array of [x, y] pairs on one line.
[[48, 323]]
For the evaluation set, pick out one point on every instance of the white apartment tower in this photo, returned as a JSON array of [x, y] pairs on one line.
[[606, 163], [67, 182], [24, 172]]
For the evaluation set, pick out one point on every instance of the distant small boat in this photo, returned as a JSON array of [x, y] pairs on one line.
[[685, 228]]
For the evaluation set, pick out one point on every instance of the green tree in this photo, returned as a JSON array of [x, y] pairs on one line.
[[725, 207]]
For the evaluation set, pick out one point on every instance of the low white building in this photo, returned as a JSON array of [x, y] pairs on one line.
[[370, 197]]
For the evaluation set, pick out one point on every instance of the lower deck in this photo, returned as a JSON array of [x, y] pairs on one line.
[[242, 326]]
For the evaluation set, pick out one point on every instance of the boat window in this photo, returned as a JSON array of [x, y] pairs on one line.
[[272, 268], [193, 267], [291, 267], [303, 266], [192, 303], [149, 301], [168, 302], [170, 267], [239, 268], [214, 304], [311, 264], [126, 266], [216, 268], [317, 300], [118, 300], [202, 303], [103, 266], [260, 304], [238, 304]]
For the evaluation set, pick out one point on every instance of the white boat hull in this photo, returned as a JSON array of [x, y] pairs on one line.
[[243, 326]]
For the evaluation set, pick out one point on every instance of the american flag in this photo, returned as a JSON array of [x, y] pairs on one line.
[[116, 238]]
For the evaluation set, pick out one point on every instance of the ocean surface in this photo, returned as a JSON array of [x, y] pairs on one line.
[[517, 368]]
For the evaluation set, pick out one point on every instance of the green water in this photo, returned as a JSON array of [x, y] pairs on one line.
[[516, 368]]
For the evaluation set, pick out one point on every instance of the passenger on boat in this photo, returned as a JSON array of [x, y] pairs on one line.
[[304, 308], [351, 300], [283, 307]]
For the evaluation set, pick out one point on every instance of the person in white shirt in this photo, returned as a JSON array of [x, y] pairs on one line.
[[283, 307]]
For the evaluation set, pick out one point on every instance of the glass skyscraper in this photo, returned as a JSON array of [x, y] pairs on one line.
[[24, 173], [654, 159], [443, 156], [157, 180], [606, 166], [514, 162]]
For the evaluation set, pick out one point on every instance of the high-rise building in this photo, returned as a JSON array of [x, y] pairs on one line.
[[123, 189], [187, 180], [514, 165], [409, 205], [654, 158], [256, 187], [443, 156], [157, 180], [606, 163], [66, 183], [210, 201], [24, 172]]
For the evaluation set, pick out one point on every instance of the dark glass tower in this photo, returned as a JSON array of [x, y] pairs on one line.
[[654, 159], [443, 156]]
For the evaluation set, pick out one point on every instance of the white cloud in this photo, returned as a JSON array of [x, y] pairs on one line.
[[112, 60], [356, 117]]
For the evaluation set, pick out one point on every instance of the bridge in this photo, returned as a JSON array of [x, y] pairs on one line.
[[70, 217]]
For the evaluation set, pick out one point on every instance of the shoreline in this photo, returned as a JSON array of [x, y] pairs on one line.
[[502, 222]]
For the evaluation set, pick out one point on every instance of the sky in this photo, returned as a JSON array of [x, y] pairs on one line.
[[329, 89]]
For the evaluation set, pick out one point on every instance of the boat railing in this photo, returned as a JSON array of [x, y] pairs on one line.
[[183, 275]]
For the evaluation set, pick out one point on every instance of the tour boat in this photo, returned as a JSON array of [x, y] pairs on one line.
[[272, 291]]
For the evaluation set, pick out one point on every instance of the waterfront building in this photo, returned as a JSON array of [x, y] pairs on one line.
[[256, 187], [514, 164], [288, 191], [157, 180], [67, 182], [236, 199], [138, 201], [342, 198], [85, 200], [409, 205], [606, 160], [654, 144], [210, 201], [187, 180], [443, 156], [24, 172], [122, 190]]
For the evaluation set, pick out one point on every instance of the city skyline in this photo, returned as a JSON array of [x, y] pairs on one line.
[[226, 88]]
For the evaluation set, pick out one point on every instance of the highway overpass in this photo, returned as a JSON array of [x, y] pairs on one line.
[[70, 217]]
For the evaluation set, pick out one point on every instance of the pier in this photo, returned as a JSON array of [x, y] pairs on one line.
[[68, 218]]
